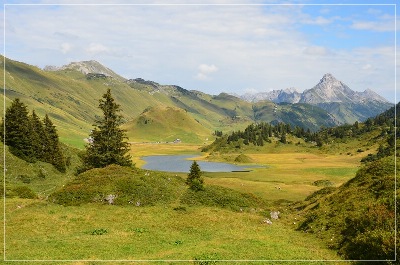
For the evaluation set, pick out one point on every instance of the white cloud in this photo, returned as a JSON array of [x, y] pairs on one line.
[[316, 51], [97, 48], [65, 47], [366, 66], [205, 70], [373, 25], [253, 46]]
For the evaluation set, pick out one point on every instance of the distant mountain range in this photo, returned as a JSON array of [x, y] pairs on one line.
[[69, 94], [328, 90], [332, 95]]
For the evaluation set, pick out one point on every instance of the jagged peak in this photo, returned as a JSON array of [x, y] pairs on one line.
[[328, 77]]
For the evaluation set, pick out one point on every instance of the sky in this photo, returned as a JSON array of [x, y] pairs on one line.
[[215, 46]]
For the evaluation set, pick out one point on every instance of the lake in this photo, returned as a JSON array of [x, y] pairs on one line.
[[180, 163]]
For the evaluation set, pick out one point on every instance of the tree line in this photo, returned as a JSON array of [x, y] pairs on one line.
[[31, 138], [258, 134]]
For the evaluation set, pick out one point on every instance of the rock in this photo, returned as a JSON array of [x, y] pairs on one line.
[[110, 198], [275, 215], [267, 221]]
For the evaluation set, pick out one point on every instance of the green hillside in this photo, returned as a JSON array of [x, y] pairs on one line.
[[299, 114], [358, 219], [71, 100], [166, 124]]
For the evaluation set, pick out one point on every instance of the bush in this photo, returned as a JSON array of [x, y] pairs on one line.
[[24, 192], [216, 196]]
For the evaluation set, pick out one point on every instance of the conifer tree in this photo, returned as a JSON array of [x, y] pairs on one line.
[[51, 150], [194, 179], [16, 127], [107, 140], [38, 136]]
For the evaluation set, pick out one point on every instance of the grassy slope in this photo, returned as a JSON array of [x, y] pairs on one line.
[[72, 101], [357, 218], [165, 124], [178, 225], [150, 233], [302, 115]]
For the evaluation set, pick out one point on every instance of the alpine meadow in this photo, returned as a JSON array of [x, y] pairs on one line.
[[74, 177], [165, 133]]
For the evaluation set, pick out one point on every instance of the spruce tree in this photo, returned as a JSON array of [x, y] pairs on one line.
[[107, 140], [194, 179], [17, 131], [38, 136], [51, 150]]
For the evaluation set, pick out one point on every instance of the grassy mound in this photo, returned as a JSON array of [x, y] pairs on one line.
[[358, 218], [166, 124], [242, 158], [119, 185], [131, 186]]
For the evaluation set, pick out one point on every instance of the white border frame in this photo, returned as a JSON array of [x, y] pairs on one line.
[[94, 260]]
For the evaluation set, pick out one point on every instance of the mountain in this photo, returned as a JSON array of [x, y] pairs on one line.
[[329, 89], [288, 95], [88, 68], [70, 94], [332, 95]]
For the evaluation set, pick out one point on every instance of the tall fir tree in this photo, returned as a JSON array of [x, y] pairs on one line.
[[194, 179], [107, 140], [17, 131], [38, 136], [52, 152]]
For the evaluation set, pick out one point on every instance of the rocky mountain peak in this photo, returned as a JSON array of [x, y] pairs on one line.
[[87, 67], [328, 77]]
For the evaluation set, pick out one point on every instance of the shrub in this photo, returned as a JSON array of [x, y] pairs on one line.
[[24, 192], [216, 196], [194, 179]]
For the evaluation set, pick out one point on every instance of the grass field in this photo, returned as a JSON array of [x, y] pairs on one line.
[[287, 174], [103, 232], [37, 229]]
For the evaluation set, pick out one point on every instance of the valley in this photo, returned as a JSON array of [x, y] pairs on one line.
[[304, 158]]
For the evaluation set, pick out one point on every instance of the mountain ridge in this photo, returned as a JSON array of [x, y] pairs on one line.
[[70, 96], [329, 89]]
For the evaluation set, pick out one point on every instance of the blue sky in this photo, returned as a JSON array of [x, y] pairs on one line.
[[253, 47]]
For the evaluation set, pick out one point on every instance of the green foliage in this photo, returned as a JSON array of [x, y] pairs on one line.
[[23, 192], [99, 232], [194, 179], [17, 131], [215, 196], [107, 143], [30, 139], [358, 218], [52, 150], [242, 158], [207, 259]]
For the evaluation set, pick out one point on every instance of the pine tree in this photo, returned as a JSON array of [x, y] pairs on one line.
[[194, 179], [38, 136], [283, 138], [51, 150], [107, 145], [17, 135]]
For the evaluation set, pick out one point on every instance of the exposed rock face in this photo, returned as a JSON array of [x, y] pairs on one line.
[[329, 89], [87, 67], [333, 96]]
